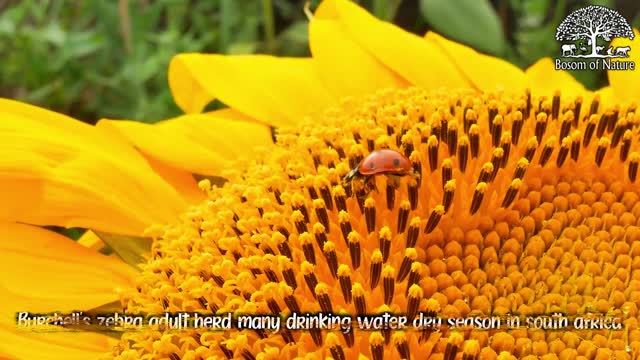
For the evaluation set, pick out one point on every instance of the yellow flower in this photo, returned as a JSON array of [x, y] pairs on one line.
[[59, 171], [523, 202], [623, 83], [44, 272]]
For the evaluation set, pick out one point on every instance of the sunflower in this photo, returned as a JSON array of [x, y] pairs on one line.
[[522, 202]]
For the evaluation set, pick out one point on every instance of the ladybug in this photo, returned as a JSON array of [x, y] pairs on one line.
[[384, 161]]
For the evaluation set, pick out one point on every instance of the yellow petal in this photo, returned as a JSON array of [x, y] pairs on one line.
[[55, 170], [44, 272], [197, 143], [544, 79], [345, 68], [483, 71], [276, 91], [181, 180], [607, 97], [626, 83], [20, 344], [418, 61]]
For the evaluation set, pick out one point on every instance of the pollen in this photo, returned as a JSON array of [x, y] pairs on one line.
[[515, 207]]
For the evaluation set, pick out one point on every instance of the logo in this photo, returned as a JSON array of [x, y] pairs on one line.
[[586, 34]]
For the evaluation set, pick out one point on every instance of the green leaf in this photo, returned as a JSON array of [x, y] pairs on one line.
[[532, 13], [131, 249], [43, 92], [54, 34], [636, 22], [472, 22], [592, 80], [7, 26], [82, 43], [297, 32], [385, 9], [605, 3], [242, 48], [294, 39]]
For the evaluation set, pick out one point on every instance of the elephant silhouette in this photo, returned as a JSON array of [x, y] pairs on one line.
[[568, 48]]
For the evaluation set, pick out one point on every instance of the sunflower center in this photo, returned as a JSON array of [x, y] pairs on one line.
[[510, 206]]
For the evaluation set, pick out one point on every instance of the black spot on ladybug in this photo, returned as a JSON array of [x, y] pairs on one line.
[[396, 162], [372, 166]]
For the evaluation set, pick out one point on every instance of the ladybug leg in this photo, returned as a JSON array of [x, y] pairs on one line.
[[394, 180], [362, 196], [367, 186], [415, 175], [357, 187], [352, 180]]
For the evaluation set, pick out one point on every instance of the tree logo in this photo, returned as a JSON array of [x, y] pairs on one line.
[[587, 33]]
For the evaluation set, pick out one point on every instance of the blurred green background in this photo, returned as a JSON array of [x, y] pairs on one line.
[[108, 58]]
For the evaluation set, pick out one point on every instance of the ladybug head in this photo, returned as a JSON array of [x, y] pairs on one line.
[[352, 174]]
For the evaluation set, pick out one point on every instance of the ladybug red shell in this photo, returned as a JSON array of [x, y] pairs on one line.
[[384, 161]]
